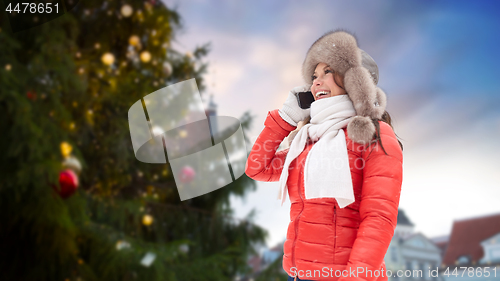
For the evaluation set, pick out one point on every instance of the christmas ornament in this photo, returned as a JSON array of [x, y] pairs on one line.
[[187, 174], [31, 95], [134, 40], [108, 58], [72, 163], [167, 68], [184, 248], [122, 245], [97, 46], [147, 220], [66, 149], [145, 56], [127, 10], [68, 183], [8, 67], [148, 259]]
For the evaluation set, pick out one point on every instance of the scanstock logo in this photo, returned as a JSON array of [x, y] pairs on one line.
[[204, 153]]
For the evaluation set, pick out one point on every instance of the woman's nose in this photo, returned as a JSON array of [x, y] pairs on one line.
[[318, 81]]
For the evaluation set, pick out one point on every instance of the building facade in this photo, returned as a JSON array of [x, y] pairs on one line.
[[411, 256]]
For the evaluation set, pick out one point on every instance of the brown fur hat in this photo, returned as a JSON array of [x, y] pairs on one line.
[[339, 49]]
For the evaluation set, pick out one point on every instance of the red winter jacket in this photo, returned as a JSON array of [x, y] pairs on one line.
[[323, 240]]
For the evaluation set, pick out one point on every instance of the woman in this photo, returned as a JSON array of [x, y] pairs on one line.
[[342, 171]]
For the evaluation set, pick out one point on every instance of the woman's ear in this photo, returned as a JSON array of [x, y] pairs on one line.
[[338, 78]]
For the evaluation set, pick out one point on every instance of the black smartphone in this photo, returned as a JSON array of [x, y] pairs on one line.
[[305, 99]]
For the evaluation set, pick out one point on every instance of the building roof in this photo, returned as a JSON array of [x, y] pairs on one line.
[[466, 236], [403, 219], [441, 242]]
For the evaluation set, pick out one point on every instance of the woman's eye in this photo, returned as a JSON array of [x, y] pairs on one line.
[[314, 77], [328, 71]]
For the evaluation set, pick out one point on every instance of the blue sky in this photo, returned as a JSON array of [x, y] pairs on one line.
[[438, 66]]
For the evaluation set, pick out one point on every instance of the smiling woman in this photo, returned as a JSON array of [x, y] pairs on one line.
[[343, 184], [325, 82]]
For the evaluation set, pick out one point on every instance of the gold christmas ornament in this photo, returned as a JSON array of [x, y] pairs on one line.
[[147, 220], [108, 58], [66, 149], [97, 46], [134, 40], [8, 67], [127, 10], [145, 56]]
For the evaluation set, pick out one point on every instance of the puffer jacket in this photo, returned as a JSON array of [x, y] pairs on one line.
[[325, 241]]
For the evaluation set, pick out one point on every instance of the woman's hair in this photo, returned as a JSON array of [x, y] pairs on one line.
[[386, 117]]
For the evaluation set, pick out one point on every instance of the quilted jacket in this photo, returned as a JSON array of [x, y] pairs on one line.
[[324, 241]]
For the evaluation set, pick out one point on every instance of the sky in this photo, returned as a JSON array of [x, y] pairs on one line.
[[438, 65]]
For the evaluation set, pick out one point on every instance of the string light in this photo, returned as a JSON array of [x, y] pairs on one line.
[[134, 40], [108, 58], [127, 10], [145, 56], [147, 220]]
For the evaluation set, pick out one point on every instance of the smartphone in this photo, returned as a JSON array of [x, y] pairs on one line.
[[305, 99]]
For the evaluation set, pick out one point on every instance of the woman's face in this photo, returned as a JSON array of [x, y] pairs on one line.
[[324, 85]]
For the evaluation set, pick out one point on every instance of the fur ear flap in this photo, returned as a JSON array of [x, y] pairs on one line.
[[361, 129], [361, 90]]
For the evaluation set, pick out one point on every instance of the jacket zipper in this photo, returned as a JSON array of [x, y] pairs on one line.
[[335, 230], [297, 227]]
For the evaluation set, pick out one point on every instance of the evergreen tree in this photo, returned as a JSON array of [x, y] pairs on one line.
[[72, 80]]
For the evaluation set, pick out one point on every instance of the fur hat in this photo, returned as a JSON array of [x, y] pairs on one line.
[[340, 51]]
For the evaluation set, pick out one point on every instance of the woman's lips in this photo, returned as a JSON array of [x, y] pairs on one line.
[[321, 94]]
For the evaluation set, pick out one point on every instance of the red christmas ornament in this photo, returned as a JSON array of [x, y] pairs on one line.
[[187, 174], [31, 95], [68, 182]]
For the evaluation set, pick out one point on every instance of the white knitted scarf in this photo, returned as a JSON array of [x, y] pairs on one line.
[[326, 170]]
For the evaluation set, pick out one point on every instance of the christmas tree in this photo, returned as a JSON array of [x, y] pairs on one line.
[[75, 204]]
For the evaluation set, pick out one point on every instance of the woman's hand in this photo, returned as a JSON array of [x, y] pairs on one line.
[[291, 111]]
